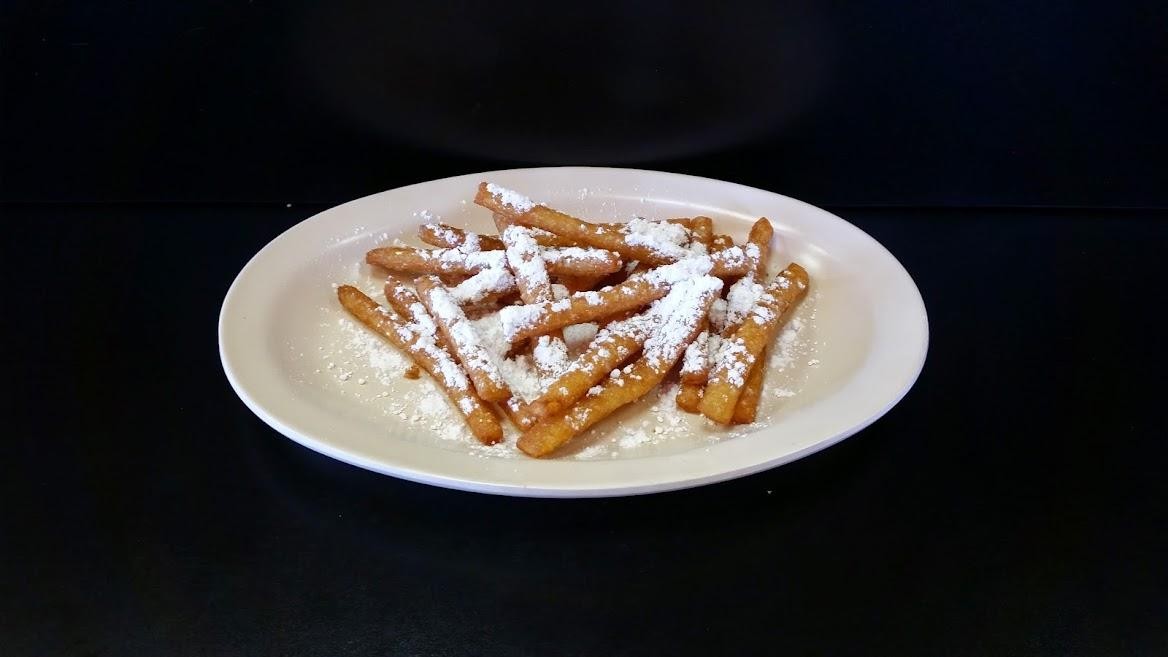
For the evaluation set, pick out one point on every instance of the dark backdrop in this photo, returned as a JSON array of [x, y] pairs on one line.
[[856, 103]]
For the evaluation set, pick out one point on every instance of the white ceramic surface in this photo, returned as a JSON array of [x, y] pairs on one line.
[[862, 345]]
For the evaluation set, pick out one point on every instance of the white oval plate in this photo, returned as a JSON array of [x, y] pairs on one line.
[[304, 368]]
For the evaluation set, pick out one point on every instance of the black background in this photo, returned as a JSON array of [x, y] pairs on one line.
[[1011, 155], [857, 103]]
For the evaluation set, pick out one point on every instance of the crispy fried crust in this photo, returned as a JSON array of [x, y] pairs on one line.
[[455, 328], [693, 379], [581, 283], [728, 375], [689, 395], [760, 235], [606, 352], [451, 237], [620, 388], [703, 230], [483, 422], [572, 261], [577, 309], [746, 410], [406, 303]]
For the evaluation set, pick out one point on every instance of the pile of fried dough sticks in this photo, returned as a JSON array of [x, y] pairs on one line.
[[492, 317]]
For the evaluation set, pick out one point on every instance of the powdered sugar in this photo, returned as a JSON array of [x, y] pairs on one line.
[[550, 355], [523, 376], [525, 261], [466, 256], [577, 336], [518, 318], [511, 198], [684, 307], [460, 332], [663, 238], [519, 371], [681, 270], [732, 361], [741, 299], [695, 356], [492, 281], [717, 315], [579, 256]]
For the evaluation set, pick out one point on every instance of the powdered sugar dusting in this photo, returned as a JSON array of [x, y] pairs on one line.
[[741, 299], [679, 271], [665, 239], [511, 198], [694, 359], [684, 307], [526, 262], [461, 333], [492, 281], [363, 366]]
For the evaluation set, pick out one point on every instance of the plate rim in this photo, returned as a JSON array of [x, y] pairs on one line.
[[599, 490]]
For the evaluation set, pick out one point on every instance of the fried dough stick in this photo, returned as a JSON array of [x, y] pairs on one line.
[[451, 237], [523, 322], [695, 365], [747, 408], [426, 353], [684, 312], [574, 261], [739, 351], [463, 339], [611, 347], [733, 261]]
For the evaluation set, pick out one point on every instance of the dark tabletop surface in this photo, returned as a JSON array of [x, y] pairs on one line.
[[1013, 503]]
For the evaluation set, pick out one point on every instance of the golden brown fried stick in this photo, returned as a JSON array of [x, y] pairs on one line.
[[580, 261], [407, 304], [410, 260], [581, 283], [518, 412], [484, 288], [746, 410], [760, 236], [703, 231], [742, 294], [432, 358], [728, 262], [549, 352], [573, 260], [464, 341], [689, 396], [695, 362], [520, 210], [689, 302], [739, 351], [612, 346], [522, 322], [451, 237]]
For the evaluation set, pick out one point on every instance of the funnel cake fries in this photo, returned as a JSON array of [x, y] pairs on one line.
[[464, 341], [451, 237], [524, 319], [648, 242], [416, 340], [685, 306], [739, 351], [464, 261]]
